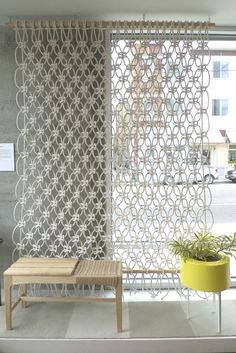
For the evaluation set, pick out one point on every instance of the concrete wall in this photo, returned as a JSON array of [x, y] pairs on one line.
[[8, 134]]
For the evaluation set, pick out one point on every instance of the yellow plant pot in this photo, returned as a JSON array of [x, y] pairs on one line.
[[206, 276]]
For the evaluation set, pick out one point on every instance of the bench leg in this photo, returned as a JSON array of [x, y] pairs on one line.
[[119, 305], [23, 293], [8, 301]]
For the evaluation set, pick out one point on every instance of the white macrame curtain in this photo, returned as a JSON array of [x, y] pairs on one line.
[[112, 124]]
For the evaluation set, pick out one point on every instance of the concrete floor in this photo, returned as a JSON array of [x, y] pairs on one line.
[[143, 317]]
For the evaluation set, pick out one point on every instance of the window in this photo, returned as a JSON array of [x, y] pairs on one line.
[[220, 107], [232, 155], [220, 69]]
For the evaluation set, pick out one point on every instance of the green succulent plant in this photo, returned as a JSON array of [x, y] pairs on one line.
[[205, 246]]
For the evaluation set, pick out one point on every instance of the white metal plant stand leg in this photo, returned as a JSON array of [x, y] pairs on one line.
[[188, 313], [219, 312]]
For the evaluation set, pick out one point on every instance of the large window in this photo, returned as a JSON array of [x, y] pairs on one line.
[[220, 107], [220, 69], [222, 136]]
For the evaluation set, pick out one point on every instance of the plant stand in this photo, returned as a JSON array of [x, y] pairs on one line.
[[206, 277]]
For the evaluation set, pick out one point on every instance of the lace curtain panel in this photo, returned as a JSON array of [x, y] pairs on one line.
[[112, 131]]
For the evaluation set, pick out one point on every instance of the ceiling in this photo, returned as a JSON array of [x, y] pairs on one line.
[[222, 12]]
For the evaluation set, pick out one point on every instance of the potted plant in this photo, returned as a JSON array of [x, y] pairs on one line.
[[205, 260]]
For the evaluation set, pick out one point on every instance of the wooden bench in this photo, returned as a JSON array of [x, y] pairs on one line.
[[62, 271]]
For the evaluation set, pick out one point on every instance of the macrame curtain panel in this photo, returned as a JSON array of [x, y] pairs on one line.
[[112, 127]]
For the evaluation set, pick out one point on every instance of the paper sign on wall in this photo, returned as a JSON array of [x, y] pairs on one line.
[[7, 157]]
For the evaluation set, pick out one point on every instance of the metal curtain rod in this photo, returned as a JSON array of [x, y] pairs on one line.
[[164, 25]]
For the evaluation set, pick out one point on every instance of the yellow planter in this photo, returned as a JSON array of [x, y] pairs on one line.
[[206, 276]]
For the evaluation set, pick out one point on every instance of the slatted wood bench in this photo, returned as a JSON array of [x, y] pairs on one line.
[[61, 271]]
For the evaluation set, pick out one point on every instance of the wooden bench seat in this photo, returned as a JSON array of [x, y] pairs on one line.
[[62, 271]]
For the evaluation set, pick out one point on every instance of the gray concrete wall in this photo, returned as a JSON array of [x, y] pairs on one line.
[[8, 134]]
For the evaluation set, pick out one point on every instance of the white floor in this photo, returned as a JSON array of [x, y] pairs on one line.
[[150, 325], [143, 317]]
